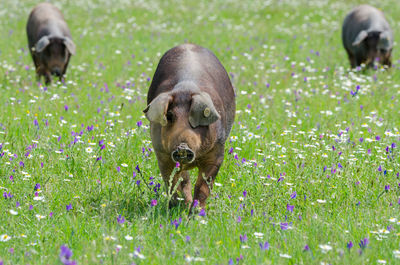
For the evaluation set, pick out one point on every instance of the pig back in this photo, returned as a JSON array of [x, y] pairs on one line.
[[189, 62]]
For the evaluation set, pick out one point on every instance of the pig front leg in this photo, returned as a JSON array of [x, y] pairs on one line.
[[47, 78], [65, 69], [352, 59], [205, 180]]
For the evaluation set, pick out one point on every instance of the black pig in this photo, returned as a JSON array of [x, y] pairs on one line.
[[49, 41], [367, 37], [191, 109]]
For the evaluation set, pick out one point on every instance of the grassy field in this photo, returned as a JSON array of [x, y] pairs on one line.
[[311, 172]]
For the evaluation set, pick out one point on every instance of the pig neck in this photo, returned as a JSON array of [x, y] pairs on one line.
[[187, 85], [53, 30]]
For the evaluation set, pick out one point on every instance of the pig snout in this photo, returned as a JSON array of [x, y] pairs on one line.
[[183, 154], [56, 71]]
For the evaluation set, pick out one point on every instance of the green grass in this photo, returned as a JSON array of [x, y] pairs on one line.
[[286, 126]]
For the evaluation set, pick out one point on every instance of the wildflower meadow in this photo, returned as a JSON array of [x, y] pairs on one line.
[[311, 169]]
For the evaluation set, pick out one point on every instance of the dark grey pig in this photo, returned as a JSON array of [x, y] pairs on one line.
[[191, 109], [367, 36], [49, 41]]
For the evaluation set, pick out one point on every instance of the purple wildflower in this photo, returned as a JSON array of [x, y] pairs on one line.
[[195, 204], [153, 202], [65, 255], [289, 207], [137, 168], [349, 245], [387, 188], [284, 226], [7, 195], [264, 246], [293, 195], [120, 219], [364, 243], [176, 223], [243, 238], [202, 213], [69, 207]]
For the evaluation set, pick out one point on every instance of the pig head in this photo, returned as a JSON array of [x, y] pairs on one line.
[[184, 115], [374, 46], [52, 54]]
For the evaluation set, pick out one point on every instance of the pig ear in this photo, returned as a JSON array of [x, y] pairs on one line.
[[70, 45], [202, 110], [42, 44], [157, 109], [360, 37]]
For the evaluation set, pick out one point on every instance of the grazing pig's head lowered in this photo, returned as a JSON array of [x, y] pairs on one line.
[[54, 52], [185, 115], [367, 37], [376, 44]]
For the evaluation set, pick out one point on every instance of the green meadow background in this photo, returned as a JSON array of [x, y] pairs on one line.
[[311, 170]]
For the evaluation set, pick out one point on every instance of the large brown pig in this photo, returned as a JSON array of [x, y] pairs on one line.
[[49, 41], [367, 36], [191, 109]]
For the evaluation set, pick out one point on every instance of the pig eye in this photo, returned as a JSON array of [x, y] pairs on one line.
[[170, 116]]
